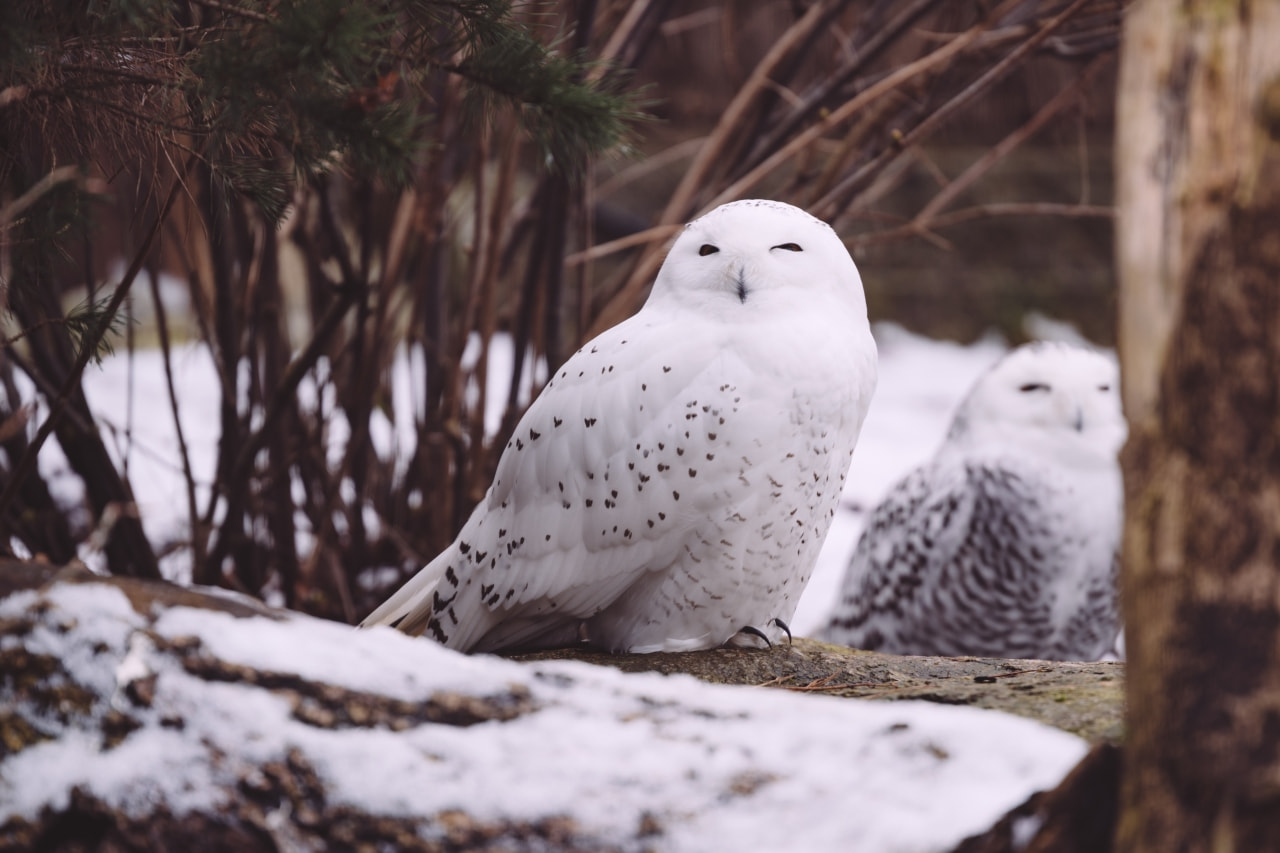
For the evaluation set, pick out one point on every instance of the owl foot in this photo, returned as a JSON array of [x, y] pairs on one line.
[[755, 632], [784, 626]]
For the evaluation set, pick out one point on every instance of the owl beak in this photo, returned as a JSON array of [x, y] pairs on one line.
[[1079, 422], [742, 284]]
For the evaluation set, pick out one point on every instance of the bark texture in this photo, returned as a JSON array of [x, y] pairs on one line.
[[1198, 242]]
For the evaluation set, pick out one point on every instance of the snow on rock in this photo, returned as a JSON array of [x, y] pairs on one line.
[[312, 735]]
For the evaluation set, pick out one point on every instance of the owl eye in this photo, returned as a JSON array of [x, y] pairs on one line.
[[790, 247], [1032, 387], [1104, 387], [708, 249]]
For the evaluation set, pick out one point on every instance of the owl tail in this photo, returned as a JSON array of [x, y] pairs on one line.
[[409, 609]]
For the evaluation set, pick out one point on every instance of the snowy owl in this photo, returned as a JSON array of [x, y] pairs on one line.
[[672, 484], [1005, 544]]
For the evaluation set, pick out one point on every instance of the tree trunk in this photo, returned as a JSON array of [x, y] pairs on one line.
[[1198, 190]]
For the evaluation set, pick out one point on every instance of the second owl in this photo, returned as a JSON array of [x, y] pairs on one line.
[[1005, 544]]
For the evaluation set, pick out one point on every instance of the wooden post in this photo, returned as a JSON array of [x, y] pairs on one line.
[[1198, 250]]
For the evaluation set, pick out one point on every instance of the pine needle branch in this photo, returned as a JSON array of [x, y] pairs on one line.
[[81, 323]]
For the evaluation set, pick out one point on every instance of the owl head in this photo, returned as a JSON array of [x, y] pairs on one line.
[[1057, 399], [757, 256]]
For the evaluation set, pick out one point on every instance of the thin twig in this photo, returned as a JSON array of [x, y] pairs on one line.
[[821, 684], [983, 211], [650, 164], [1017, 672], [621, 35], [640, 238], [234, 10], [129, 75], [166, 353]]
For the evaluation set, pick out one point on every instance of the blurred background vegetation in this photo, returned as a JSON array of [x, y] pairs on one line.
[[315, 191]]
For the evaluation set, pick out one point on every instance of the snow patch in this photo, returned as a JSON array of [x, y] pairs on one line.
[[716, 767]]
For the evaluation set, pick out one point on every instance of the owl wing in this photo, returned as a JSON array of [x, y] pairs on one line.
[[952, 562], [606, 472]]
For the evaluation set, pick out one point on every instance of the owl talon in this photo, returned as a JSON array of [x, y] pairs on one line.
[[784, 626], [756, 632]]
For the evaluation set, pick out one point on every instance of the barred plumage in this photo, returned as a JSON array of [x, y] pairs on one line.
[[1005, 544]]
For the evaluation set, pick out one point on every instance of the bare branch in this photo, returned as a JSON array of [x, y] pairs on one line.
[[983, 211], [234, 10], [657, 233]]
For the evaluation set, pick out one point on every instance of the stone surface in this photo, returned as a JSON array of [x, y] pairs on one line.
[[1082, 698]]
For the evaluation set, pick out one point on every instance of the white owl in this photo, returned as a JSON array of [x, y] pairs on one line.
[[672, 484], [1005, 544]]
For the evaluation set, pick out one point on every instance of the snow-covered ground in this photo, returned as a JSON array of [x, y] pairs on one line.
[[709, 767]]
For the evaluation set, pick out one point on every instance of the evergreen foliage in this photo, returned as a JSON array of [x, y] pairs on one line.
[[269, 94]]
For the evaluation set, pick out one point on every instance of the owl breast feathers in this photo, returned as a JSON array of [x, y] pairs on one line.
[[672, 484], [1005, 544]]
